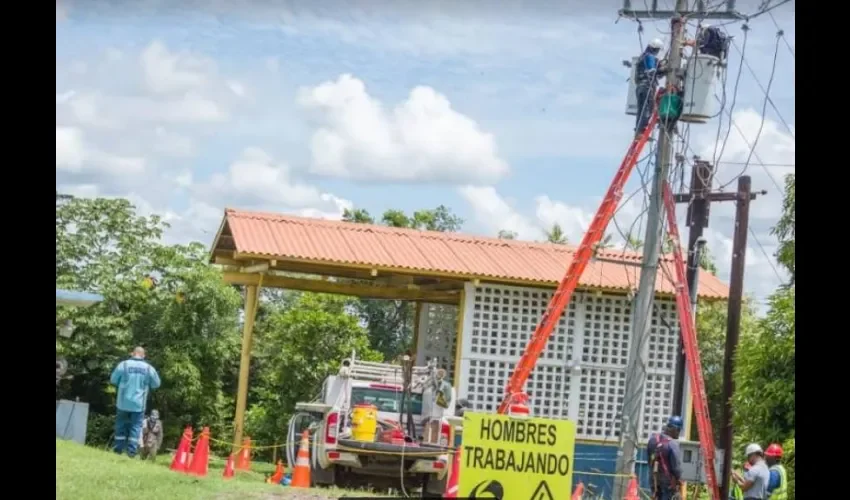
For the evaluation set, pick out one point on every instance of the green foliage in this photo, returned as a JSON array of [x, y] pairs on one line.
[[789, 461], [556, 235], [187, 321], [785, 228], [765, 375], [297, 345], [504, 234]]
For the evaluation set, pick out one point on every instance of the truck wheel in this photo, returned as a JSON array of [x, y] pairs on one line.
[[323, 477]]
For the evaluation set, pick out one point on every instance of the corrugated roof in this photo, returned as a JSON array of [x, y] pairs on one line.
[[498, 260]]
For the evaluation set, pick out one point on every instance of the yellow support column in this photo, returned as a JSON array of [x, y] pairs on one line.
[[417, 318], [252, 293]]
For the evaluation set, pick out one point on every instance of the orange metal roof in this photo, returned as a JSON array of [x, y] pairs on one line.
[[427, 252]]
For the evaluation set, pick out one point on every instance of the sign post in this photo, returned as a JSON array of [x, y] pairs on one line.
[[511, 459]]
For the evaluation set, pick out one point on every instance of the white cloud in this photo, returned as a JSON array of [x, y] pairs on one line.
[[236, 87], [496, 214], [421, 139], [74, 155], [256, 180], [168, 72]]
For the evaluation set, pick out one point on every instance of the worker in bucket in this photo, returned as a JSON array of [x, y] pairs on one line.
[[646, 82], [710, 41], [754, 481], [777, 486], [135, 378], [665, 460]]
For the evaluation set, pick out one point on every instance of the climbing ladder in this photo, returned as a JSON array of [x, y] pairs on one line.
[[561, 299], [689, 341]]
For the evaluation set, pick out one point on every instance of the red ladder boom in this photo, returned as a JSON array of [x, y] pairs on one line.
[[585, 251], [689, 341]]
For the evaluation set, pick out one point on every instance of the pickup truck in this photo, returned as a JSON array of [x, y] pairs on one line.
[[383, 464]]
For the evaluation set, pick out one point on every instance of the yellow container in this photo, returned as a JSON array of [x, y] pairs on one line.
[[364, 422]]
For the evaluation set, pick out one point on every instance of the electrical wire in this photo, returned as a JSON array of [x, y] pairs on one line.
[[763, 118], [766, 256]]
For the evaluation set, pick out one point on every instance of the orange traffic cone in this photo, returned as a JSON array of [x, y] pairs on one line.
[[632, 490], [454, 477], [201, 458], [181, 458], [578, 491], [278, 474], [228, 467], [243, 458], [301, 472]]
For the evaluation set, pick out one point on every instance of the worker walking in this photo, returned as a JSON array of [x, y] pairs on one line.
[[777, 486], [134, 378], [754, 481], [665, 460], [646, 82]]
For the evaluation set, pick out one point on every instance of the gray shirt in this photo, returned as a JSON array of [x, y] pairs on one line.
[[759, 474]]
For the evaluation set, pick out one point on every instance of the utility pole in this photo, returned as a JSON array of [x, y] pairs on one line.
[[699, 202], [644, 301], [733, 322]]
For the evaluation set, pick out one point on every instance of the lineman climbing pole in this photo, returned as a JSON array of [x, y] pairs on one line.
[[636, 378]]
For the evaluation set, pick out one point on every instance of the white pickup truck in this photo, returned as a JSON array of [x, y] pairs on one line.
[[339, 460]]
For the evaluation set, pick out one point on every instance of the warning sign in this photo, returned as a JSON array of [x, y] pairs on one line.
[[505, 458]]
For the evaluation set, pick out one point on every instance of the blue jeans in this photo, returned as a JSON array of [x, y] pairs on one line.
[[645, 103], [128, 431]]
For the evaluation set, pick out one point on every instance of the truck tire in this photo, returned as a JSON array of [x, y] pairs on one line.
[[323, 477]]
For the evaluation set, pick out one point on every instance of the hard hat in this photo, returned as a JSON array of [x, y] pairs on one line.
[[774, 450], [753, 448], [705, 26], [656, 43], [675, 421]]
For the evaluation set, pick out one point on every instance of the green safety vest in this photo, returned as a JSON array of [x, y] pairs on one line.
[[737, 492], [780, 493]]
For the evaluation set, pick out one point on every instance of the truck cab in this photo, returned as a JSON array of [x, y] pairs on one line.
[[394, 455]]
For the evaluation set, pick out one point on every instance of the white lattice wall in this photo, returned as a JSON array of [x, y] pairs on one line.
[[437, 336], [595, 333]]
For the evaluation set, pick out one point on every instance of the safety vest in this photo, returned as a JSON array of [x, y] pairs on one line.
[[737, 493], [780, 493]]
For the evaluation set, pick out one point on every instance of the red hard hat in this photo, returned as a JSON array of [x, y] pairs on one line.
[[774, 450]]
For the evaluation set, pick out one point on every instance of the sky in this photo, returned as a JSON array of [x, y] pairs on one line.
[[511, 113]]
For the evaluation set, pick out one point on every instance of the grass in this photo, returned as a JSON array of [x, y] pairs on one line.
[[93, 474]]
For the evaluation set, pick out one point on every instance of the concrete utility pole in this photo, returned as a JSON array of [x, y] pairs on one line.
[[644, 301]]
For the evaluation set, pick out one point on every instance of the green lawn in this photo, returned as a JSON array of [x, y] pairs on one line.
[[84, 473]]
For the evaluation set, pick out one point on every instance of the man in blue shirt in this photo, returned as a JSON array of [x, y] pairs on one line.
[[134, 378], [665, 460], [646, 82]]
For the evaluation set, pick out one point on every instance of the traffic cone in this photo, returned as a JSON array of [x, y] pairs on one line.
[[243, 457], [454, 477], [632, 490], [228, 467], [181, 458], [578, 491], [201, 458], [278, 474], [301, 472]]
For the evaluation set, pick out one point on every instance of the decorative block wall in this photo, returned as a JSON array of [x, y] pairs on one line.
[[581, 374], [438, 336]]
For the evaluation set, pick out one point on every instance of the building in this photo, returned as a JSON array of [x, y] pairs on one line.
[[478, 301]]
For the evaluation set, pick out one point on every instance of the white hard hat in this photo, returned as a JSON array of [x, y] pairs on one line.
[[656, 43], [753, 448]]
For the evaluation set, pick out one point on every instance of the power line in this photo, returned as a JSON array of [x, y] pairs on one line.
[[788, 45], [766, 256]]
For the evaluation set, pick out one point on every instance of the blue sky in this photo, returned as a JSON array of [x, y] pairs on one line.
[[510, 113]]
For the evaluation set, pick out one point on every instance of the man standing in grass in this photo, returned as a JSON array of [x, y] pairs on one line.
[[134, 378]]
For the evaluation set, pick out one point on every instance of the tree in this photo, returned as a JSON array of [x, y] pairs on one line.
[[297, 347], [357, 215], [505, 234], [556, 235], [785, 228], [187, 320]]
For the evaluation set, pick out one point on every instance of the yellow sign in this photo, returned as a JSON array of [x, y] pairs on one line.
[[506, 458]]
